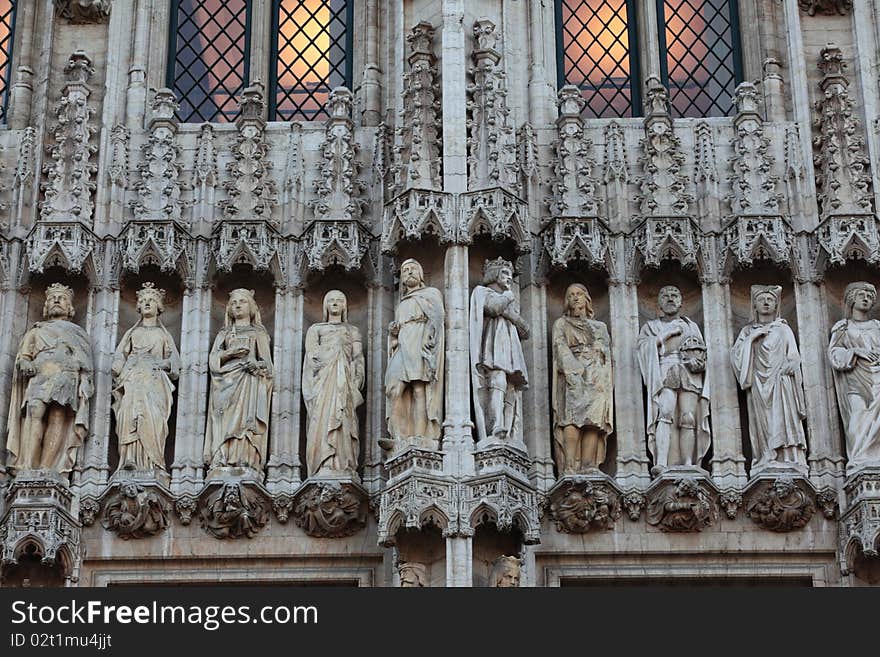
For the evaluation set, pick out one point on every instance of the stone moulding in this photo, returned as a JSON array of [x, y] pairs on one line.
[[330, 507], [780, 502], [578, 503], [682, 499]]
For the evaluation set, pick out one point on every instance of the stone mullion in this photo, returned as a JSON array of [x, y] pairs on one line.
[[379, 314], [21, 91], [823, 433], [42, 107], [371, 85], [629, 413], [728, 462], [283, 460], [259, 65], [537, 421]]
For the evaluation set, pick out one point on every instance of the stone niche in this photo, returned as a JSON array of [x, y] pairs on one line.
[[597, 285], [171, 319], [489, 544], [37, 283], [426, 549], [741, 281]]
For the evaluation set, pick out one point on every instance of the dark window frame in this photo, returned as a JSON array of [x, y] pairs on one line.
[[7, 74]]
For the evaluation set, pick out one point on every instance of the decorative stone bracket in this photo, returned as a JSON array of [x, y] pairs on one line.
[[780, 502], [682, 499], [578, 503], [330, 507]]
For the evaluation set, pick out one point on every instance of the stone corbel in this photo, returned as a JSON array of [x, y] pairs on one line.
[[780, 502], [233, 507], [682, 499], [326, 507], [78, 12], [578, 503]]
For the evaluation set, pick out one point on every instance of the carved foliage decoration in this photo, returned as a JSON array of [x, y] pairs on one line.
[[117, 172], [331, 509], [782, 506], [752, 182], [578, 504], [250, 192], [159, 188], [682, 505], [491, 140], [616, 169], [664, 187], [232, 511], [70, 171], [418, 149], [842, 167], [574, 184], [133, 511]]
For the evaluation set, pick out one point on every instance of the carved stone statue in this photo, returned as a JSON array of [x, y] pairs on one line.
[[854, 352], [412, 575], [51, 388], [333, 375], [768, 367], [505, 572], [414, 377], [145, 362], [240, 364], [672, 358], [498, 368], [583, 407]]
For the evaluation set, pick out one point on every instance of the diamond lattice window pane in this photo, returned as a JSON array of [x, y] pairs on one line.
[[7, 26], [310, 58], [700, 56], [209, 58], [595, 54]]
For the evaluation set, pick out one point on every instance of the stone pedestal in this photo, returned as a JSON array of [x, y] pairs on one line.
[[137, 503], [579, 503], [682, 499], [233, 503], [780, 498], [331, 507]]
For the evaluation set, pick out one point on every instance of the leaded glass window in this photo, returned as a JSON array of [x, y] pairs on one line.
[[597, 52], [700, 59], [208, 58], [310, 57], [7, 33]]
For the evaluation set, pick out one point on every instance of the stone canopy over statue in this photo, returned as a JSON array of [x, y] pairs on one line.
[[145, 363], [498, 368], [333, 376], [414, 376], [240, 365], [854, 352], [767, 363], [51, 387], [672, 359]]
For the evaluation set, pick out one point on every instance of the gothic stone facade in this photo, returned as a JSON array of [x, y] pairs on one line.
[[455, 147]]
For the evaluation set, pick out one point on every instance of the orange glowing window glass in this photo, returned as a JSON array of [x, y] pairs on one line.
[[310, 57], [7, 32], [208, 59], [595, 53], [701, 65]]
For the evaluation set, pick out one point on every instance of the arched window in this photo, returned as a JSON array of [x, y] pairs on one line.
[[208, 57], [311, 55], [7, 33], [597, 51], [700, 59]]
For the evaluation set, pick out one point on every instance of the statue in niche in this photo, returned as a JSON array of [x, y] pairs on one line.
[[414, 377], [854, 352], [498, 368], [145, 363], [768, 367], [51, 387], [506, 572], [333, 375], [583, 406], [672, 359], [412, 575], [241, 371]]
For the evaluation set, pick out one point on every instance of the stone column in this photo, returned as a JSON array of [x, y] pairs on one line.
[[21, 92], [380, 313], [13, 324], [728, 462], [629, 412], [102, 325], [192, 386], [371, 85], [261, 44], [459, 561], [284, 473], [867, 60]]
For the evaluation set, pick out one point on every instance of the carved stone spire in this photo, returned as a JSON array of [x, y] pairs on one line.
[[117, 172], [70, 171], [842, 168], [753, 185], [663, 184], [574, 187], [159, 188], [251, 191], [615, 154], [491, 139], [418, 149]]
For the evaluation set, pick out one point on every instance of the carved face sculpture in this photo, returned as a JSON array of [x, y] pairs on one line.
[[335, 306], [669, 300], [150, 303], [505, 572], [766, 304], [59, 302], [241, 305], [412, 575], [859, 296], [863, 300], [411, 274], [578, 302], [505, 277]]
